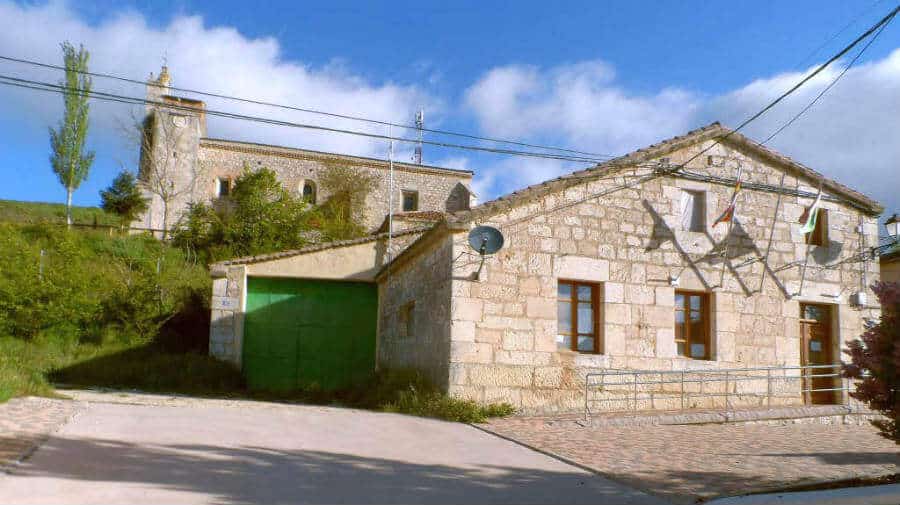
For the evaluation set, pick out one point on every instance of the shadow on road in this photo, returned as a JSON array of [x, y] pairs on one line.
[[237, 475]]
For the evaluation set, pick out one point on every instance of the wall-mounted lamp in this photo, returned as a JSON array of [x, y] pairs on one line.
[[674, 281], [893, 227]]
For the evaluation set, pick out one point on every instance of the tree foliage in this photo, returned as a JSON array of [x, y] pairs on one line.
[[124, 198], [341, 215], [261, 216], [69, 159], [875, 362]]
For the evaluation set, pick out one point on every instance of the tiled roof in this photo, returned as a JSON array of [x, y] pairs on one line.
[[259, 258], [711, 131], [424, 216]]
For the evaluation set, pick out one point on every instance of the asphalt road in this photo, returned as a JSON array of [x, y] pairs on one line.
[[205, 451]]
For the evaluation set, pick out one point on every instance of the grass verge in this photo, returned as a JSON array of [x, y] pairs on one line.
[[31, 367]]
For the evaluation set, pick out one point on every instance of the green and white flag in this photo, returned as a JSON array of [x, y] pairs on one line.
[[808, 219]]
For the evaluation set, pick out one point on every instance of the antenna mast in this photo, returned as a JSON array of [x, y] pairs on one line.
[[420, 125]]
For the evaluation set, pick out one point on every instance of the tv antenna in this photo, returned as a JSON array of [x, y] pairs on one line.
[[420, 126], [486, 240]]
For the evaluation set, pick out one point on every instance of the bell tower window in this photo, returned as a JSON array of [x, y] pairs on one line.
[[223, 187], [308, 192], [410, 201]]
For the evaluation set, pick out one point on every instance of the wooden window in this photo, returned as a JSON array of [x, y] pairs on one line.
[[692, 324], [223, 188], [410, 201], [408, 320], [578, 316], [693, 210], [308, 192], [819, 235]]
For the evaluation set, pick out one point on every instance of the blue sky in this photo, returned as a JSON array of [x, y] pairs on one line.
[[598, 76]]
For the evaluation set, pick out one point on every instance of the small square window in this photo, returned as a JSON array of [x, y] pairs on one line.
[[819, 235], [693, 211], [578, 316], [223, 188], [410, 201]]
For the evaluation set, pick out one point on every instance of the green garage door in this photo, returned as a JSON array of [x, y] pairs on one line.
[[300, 332]]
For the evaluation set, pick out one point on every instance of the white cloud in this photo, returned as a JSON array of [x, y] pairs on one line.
[[850, 135], [577, 106], [578, 103], [218, 59]]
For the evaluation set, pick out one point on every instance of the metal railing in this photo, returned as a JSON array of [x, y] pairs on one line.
[[680, 389]]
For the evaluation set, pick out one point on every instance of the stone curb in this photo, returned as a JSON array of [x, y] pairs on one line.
[[888, 494], [721, 417]]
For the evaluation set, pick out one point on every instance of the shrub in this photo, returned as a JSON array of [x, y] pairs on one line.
[[123, 198], [341, 215], [86, 286], [261, 216], [406, 391], [875, 362]]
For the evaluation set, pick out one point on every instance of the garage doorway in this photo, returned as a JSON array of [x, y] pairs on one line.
[[817, 348], [302, 333]]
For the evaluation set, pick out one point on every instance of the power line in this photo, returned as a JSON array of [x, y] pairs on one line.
[[111, 97], [308, 110], [672, 170], [831, 85], [883, 22], [853, 21]]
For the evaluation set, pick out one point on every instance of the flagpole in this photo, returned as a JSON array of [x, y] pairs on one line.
[[765, 259], [813, 209], [730, 227]]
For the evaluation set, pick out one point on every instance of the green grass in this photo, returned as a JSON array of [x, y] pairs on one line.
[[14, 211], [151, 369], [30, 368]]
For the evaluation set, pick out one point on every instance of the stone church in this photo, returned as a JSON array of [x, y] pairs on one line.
[[181, 165]]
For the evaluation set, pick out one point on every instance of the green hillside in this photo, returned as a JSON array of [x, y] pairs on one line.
[[14, 211], [81, 306]]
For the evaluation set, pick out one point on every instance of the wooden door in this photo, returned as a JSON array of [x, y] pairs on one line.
[[817, 348]]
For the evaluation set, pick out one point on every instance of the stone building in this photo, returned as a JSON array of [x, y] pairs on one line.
[[615, 268], [181, 165]]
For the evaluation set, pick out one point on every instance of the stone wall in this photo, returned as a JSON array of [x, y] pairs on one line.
[[438, 189], [169, 166], [419, 290], [631, 241], [227, 317]]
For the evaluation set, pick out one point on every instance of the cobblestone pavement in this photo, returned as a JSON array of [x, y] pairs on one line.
[[25, 423], [698, 462]]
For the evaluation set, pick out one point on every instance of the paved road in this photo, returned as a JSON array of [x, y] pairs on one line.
[[207, 451]]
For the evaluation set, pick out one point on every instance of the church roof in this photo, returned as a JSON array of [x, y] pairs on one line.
[[297, 153]]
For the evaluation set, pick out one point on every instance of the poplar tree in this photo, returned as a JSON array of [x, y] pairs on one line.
[[69, 159]]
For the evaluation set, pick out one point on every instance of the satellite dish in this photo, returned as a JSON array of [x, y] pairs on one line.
[[485, 239]]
